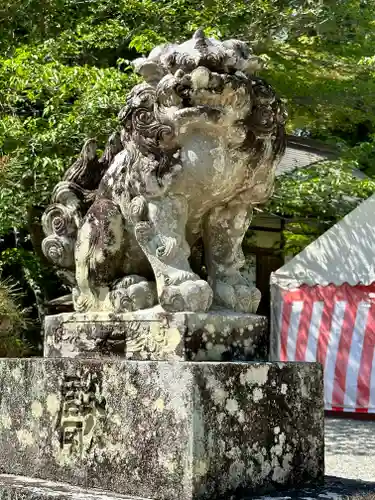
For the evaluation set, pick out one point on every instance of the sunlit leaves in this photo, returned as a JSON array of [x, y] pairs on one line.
[[47, 112], [313, 199]]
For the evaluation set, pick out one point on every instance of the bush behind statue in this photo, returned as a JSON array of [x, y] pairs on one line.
[[13, 322]]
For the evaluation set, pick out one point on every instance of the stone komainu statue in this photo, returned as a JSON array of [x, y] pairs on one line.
[[198, 148]]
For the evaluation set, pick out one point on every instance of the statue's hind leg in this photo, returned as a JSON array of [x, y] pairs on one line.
[[159, 227], [105, 251]]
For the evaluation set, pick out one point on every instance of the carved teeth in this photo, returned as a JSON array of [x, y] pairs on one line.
[[179, 74]]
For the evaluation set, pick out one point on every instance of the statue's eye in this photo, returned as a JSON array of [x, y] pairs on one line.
[[168, 97]]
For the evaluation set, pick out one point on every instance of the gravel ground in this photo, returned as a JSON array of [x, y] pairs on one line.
[[350, 449]]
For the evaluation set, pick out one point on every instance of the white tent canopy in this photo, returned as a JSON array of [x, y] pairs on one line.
[[343, 254]]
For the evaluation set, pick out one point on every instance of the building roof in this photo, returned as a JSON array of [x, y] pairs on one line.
[[301, 152], [343, 254]]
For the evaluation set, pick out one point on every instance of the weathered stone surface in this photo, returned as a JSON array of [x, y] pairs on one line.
[[162, 430], [154, 334], [199, 144]]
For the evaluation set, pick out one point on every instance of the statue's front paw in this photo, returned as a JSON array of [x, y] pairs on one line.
[[84, 301], [133, 298], [187, 296], [242, 298]]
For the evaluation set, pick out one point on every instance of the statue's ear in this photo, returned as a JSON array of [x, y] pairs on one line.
[[125, 112], [252, 64], [151, 71]]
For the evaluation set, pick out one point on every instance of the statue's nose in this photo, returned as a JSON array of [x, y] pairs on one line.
[[200, 78]]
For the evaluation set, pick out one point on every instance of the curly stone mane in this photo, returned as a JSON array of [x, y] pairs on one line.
[[141, 127]]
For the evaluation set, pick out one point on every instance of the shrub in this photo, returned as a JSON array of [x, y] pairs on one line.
[[13, 322]]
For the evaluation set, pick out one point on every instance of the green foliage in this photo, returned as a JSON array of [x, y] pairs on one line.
[[13, 322], [48, 109], [321, 196], [331, 182], [34, 270]]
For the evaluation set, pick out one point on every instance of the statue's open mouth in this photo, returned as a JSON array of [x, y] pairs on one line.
[[212, 113]]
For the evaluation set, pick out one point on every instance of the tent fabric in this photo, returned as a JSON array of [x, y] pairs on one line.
[[334, 325], [343, 254], [323, 309]]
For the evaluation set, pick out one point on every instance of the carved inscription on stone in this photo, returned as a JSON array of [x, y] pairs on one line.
[[82, 408]]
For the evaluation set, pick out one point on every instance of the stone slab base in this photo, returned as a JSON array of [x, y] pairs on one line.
[[26, 488], [163, 430], [154, 334]]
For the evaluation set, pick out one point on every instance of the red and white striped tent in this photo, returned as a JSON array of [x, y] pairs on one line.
[[323, 309]]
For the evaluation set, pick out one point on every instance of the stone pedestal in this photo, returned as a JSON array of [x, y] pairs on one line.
[[154, 334], [162, 430]]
